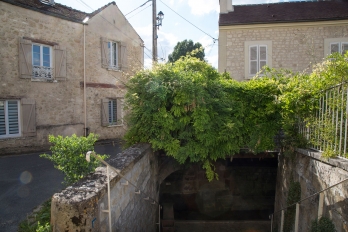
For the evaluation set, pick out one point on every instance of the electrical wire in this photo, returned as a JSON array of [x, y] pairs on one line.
[[140, 11], [188, 21], [138, 7]]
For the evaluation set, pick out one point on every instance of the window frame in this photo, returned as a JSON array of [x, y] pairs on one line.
[[247, 61], [329, 41], [7, 135], [258, 58], [113, 114], [42, 61], [111, 46]]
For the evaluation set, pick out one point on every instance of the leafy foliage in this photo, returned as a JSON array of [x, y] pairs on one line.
[[186, 47], [68, 155], [195, 114], [39, 221], [323, 225]]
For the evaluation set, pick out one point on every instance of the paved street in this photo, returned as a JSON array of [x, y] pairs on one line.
[[27, 180]]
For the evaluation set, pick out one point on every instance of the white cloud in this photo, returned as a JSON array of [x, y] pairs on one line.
[[201, 7]]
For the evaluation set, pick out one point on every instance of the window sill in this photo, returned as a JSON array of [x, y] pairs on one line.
[[114, 69], [43, 80], [121, 125], [8, 137]]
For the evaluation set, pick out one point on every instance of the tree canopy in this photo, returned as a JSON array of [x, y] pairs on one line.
[[195, 114], [186, 47]]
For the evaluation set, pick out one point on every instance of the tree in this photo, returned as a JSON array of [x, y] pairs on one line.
[[185, 47]]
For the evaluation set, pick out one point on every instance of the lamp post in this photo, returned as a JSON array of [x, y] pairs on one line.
[[156, 22], [84, 22]]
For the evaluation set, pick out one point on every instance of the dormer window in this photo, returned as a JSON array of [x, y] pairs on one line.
[[48, 2]]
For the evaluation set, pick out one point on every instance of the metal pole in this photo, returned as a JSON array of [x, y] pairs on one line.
[[282, 222], [321, 205], [109, 200], [159, 218], [297, 217], [154, 32], [272, 223], [84, 80]]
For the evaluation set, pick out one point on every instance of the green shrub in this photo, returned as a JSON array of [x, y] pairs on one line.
[[323, 225], [68, 156], [39, 221]]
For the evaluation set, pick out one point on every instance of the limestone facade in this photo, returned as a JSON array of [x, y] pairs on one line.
[[294, 46], [55, 105]]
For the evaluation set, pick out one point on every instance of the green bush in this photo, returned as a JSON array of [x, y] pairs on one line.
[[323, 225], [68, 156], [39, 221]]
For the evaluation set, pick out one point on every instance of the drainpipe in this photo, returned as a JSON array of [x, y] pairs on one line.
[[84, 75]]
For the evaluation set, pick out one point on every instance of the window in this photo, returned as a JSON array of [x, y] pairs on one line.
[[257, 58], [9, 118], [333, 45], [257, 55], [340, 47], [111, 112], [114, 54], [42, 65], [41, 60]]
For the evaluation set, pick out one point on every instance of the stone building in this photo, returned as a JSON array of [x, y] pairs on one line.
[[290, 35], [60, 75]]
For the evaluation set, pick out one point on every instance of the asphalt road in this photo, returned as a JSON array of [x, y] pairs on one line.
[[27, 181]]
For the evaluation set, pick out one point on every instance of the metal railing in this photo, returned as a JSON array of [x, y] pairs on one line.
[[297, 204], [42, 72], [327, 129], [137, 190]]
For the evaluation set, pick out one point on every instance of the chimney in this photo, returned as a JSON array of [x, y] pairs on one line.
[[48, 2], [226, 6]]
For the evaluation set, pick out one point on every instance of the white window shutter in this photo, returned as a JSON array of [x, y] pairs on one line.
[[334, 47], [123, 61], [344, 48], [28, 117], [105, 112], [262, 56], [105, 59], [253, 57], [25, 58], [60, 63], [120, 111]]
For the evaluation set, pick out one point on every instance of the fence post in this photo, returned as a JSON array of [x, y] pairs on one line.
[[321, 205], [282, 222], [297, 216]]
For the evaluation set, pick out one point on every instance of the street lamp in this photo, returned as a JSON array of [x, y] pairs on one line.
[[159, 19]]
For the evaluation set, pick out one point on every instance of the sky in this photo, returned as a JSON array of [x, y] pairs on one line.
[[195, 20]]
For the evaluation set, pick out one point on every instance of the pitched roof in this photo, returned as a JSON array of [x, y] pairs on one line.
[[56, 10], [285, 12]]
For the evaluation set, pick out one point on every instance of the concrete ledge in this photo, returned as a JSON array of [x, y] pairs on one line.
[[336, 162]]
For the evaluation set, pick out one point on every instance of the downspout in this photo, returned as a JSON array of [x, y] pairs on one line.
[[84, 79]]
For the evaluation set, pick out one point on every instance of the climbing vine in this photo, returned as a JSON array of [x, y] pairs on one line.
[[195, 114]]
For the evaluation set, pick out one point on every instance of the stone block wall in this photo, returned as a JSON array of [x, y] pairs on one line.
[[80, 207], [295, 46], [314, 174]]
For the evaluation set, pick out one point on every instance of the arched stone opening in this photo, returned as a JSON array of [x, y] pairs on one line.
[[245, 191]]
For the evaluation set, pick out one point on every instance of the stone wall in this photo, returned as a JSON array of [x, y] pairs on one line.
[[314, 174], [80, 207], [294, 46]]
